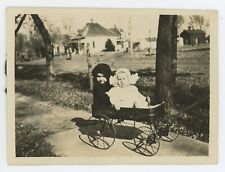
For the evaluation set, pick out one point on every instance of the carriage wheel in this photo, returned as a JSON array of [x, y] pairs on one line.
[[168, 130], [101, 133], [147, 143]]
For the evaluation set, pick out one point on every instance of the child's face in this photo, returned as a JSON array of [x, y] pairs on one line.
[[101, 78], [122, 80]]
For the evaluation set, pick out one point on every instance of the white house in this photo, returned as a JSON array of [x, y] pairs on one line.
[[94, 35]]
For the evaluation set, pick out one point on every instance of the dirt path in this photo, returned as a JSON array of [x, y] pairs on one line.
[[45, 115], [67, 124]]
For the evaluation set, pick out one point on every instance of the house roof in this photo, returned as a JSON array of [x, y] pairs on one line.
[[95, 29], [116, 31]]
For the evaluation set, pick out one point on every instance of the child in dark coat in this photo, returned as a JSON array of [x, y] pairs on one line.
[[101, 74]]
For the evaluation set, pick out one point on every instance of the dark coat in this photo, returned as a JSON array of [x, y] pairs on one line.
[[100, 98]]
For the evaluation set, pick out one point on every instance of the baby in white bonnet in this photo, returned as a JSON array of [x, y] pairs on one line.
[[125, 93]]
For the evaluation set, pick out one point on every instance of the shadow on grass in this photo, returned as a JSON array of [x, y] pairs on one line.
[[28, 71], [40, 73], [79, 80]]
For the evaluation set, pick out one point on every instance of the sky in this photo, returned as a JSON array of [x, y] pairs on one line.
[[143, 23]]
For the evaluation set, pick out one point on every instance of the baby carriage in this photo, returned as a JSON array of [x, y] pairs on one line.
[[146, 127]]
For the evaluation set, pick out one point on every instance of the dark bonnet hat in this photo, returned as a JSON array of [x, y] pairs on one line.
[[102, 68]]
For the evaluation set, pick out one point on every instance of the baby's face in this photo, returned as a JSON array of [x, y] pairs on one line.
[[122, 80], [101, 78]]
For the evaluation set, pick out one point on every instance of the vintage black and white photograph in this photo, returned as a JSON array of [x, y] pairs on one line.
[[112, 86]]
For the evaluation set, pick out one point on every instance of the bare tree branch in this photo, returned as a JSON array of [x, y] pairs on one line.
[[20, 23], [41, 28], [16, 18]]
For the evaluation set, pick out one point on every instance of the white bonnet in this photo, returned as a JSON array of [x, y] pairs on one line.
[[132, 79]]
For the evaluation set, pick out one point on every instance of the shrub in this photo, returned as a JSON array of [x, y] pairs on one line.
[[109, 46]]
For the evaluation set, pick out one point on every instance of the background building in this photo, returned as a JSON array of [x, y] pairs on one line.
[[193, 36], [94, 35]]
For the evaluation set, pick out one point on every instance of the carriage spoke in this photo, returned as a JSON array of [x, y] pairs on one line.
[[147, 142], [153, 149], [102, 134]]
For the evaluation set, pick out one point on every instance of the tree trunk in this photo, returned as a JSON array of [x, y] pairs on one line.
[[48, 48], [166, 60], [89, 63], [90, 77]]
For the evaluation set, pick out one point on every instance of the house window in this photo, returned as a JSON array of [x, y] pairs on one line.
[[93, 44]]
